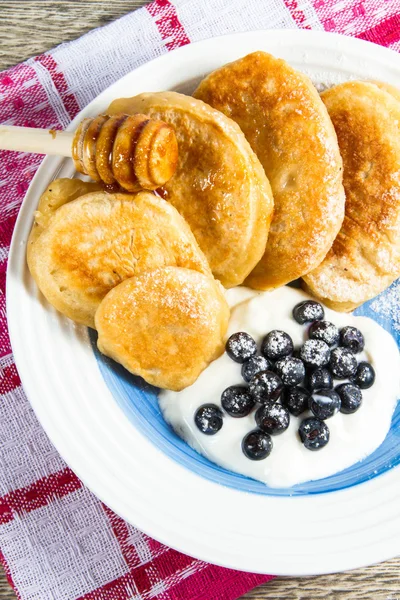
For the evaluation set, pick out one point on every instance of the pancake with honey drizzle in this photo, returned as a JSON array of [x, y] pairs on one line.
[[219, 185], [166, 325], [365, 257], [93, 243], [288, 127]]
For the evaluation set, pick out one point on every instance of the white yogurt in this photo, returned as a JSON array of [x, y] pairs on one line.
[[352, 437]]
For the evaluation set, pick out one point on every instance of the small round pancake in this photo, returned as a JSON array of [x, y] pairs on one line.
[[287, 125], [365, 257], [219, 185], [165, 325], [94, 242]]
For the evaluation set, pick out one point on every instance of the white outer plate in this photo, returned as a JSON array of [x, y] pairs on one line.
[[285, 536]]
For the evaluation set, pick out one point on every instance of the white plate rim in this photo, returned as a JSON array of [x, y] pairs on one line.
[[357, 533]]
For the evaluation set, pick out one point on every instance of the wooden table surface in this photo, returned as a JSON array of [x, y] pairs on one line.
[[31, 27]]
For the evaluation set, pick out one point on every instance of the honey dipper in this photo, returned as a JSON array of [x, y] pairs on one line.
[[134, 152]]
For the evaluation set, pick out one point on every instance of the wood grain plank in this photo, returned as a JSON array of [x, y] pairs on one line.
[[6, 592], [379, 582], [28, 28]]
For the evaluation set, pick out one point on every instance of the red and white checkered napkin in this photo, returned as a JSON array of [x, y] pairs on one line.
[[57, 540]]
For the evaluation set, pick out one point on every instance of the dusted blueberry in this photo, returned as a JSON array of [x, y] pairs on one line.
[[315, 353], [296, 400], [237, 401], [324, 404], [307, 311], [241, 347], [325, 331], [314, 433], [291, 370], [276, 345], [352, 338], [350, 396], [208, 419], [364, 376], [266, 386], [343, 363], [320, 378], [257, 445], [254, 365], [273, 418]]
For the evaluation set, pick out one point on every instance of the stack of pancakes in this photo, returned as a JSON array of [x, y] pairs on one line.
[[273, 183]]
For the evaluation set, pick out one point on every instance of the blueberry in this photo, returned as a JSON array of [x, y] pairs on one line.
[[237, 401], [257, 445], [315, 353], [273, 418], [364, 376], [254, 365], [343, 363], [351, 397], [276, 345], [324, 404], [352, 338], [320, 378], [314, 433], [296, 400], [291, 370], [266, 386], [325, 331], [307, 311], [208, 419], [240, 347]]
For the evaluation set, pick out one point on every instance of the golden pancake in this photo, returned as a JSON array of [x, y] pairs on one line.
[[219, 185], [96, 241], [365, 257], [165, 325], [288, 127]]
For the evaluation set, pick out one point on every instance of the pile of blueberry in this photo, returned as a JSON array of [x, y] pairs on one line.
[[283, 380]]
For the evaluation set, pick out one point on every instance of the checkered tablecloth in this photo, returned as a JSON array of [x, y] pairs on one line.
[[57, 540]]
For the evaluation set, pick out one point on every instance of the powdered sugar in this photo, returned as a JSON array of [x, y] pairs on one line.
[[291, 370], [241, 346], [315, 353], [388, 305]]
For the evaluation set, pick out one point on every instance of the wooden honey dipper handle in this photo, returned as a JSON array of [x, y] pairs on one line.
[[134, 151], [36, 141]]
